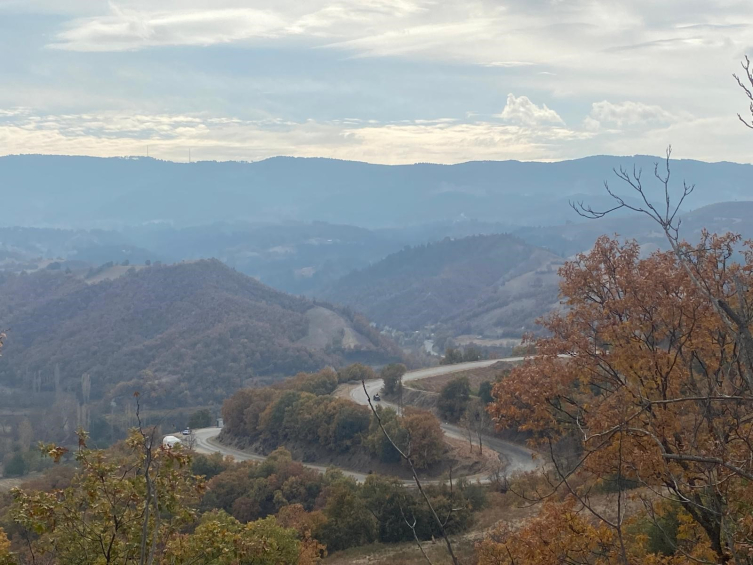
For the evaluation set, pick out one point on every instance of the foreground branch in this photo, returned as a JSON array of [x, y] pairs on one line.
[[407, 459]]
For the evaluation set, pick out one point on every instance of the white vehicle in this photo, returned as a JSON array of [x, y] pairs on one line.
[[170, 441], [187, 432]]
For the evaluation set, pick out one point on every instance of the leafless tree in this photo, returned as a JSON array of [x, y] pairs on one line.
[[406, 456], [746, 84], [150, 439], [736, 318]]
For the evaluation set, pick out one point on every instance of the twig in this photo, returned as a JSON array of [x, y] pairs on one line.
[[408, 460], [415, 535]]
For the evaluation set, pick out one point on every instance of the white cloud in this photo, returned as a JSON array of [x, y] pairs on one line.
[[508, 64], [127, 30], [212, 137], [627, 114], [136, 25], [602, 56], [448, 140], [521, 110]]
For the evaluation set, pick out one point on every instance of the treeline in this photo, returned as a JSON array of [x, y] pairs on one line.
[[300, 411], [429, 284], [186, 334], [455, 355], [135, 503], [341, 512], [275, 512]]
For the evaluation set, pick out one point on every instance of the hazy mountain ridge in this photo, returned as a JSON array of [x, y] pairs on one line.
[[566, 240], [295, 257], [455, 282], [95, 192]]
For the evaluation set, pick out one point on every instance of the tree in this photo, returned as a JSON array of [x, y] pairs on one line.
[[209, 466], [453, 399], [392, 376], [321, 383], [16, 465], [440, 524], [355, 372], [560, 534], [452, 356], [472, 353], [479, 421], [349, 523], [379, 443], [101, 517], [200, 419], [220, 539], [485, 392], [6, 557], [654, 389], [425, 440]]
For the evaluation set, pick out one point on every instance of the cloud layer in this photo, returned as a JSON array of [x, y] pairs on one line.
[[380, 80]]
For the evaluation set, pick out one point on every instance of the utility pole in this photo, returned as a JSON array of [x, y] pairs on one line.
[[189, 154]]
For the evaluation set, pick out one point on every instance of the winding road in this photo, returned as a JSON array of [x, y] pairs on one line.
[[518, 457]]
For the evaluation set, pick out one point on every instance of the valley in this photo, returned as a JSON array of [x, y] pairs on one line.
[[362, 373], [515, 458]]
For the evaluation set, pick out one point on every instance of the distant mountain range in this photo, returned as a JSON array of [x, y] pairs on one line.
[[496, 285], [569, 239], [182, 335], [59, 191]]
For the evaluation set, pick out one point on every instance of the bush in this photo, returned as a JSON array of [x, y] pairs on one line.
[[16, 466], [209, 466], [392, 375], [200, 419], [474, 493], [355, 372], [485, 392], [453, 399], [452, 356]]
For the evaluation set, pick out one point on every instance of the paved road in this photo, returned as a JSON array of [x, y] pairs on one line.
[[206, 442], [518, 457]]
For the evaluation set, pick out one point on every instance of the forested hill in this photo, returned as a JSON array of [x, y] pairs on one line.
[[190, 333], [61, 191], [479, 284]]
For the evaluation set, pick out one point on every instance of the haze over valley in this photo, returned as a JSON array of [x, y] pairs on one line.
[[384, 282]]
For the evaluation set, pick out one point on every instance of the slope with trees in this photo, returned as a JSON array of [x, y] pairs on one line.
[[61, 190], [493, 284], [184, 335], [655, 393], [300, 413]]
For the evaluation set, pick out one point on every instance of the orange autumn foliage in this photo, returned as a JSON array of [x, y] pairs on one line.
[[560, 534], [647, 379]]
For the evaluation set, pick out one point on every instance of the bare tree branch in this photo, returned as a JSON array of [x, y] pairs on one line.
[[412, 527], [407, 459]]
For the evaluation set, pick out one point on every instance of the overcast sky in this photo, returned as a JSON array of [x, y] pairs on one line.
[[386, 81]]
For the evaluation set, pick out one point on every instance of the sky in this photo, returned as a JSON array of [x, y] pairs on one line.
[[383, 81]]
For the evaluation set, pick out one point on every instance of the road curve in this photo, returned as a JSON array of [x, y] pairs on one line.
[[206, 442], [518, 457]]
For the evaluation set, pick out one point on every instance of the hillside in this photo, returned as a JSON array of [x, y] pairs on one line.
[[185, 334], [572, 238], [60, 191], [493, 285], [295, 257]]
